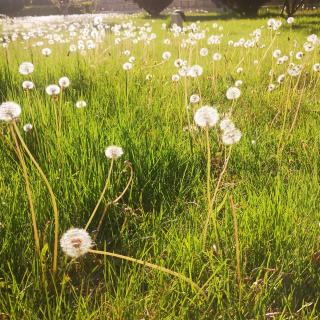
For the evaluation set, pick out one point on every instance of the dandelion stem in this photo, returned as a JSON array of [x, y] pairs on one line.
[[236, 239], [29, 192], [149, 265], [212, 201], [101, 196], [116, 200], [52, 196]]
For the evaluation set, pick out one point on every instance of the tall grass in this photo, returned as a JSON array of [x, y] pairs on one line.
[[264, 264]]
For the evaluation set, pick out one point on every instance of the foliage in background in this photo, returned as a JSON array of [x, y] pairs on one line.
[[153, 7], [11, 7], [248, 8]]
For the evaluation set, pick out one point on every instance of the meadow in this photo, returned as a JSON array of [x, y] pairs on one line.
[[194, 152]]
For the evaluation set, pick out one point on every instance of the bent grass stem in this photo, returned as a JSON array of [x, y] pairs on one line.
[[52, 197], [101, 196], [149, 265], [28, 189]]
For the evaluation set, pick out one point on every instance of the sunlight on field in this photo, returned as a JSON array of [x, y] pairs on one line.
[[150, 171]]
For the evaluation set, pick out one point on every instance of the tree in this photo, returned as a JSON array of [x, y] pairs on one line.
[[153, 7], [292, 6], [248, 8], [11, 7], [77, 6]]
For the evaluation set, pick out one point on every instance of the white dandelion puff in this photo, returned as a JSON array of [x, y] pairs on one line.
[[46, 52], [113, 152], [64, 82], [195, 98], [206, 116], [233, 93], [81, 104], [27, 127], [27, 85], [76, 242], [53, 90], [127, 66], [9, 111], [166, 55], [226, 124], [26, 68], [230, 137]]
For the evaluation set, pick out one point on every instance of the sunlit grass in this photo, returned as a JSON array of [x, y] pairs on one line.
[[269, 266]]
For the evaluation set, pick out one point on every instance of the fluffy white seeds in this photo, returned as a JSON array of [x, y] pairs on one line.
[[75, 242], [230, 137], [26, 68], [127, 66], [53, 90], [27, 85], [113, 152], [64, 82], [9, 111], [81, 104], [206, 116], [27, 127], [233, 93], [195, 98]]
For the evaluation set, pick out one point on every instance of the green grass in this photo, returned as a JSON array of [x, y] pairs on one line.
[[161, 217]]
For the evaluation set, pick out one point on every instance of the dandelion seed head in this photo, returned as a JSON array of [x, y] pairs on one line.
[[27, 127], [206, 116], [81, 104], [76, 242], [113, 152], [46, 52], [230, 137], [290, 20], [226, 124], [64, 82], [166, 55], [233, 93], [53, 90], [195, 98], [27, 85], [26, 68], [9, 111], [127, 66]]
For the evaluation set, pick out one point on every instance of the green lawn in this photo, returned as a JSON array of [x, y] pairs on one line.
[[272, 177]]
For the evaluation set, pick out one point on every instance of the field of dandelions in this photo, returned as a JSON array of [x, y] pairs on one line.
[[154, 172]]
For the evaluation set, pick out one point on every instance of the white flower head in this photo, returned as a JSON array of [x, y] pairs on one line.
[[27, 85], [217, 56], [75, 242], [230, 137], [127, 66], [290, 20], [27, 127], [175, 78], [204, 52], [26, 68], [166, 55], [226, 125], [206, 116], [316, 67], [195, 98], [195, 71], [271, 87], [233, 93], [81, 104], [46, 52], [53, 90], [113, 152], [64, 82], [238, 83], [9, 111]]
